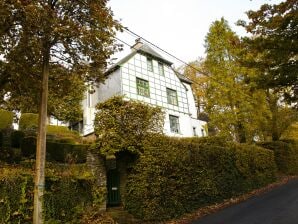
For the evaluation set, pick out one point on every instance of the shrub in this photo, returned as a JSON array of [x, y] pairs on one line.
[[28, 146], [1, 139], [6, 119], [63, 134], [28, 122], [59, 152], [286, 155], [16, 138], [174, 176]]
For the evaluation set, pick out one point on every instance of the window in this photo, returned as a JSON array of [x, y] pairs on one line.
[[143, 87], [172, 96], [161, 69], [150, 64], [202, 132], [174, 124], [194, 130]]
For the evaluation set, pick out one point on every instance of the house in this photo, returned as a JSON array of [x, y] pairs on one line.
[[146, 76]]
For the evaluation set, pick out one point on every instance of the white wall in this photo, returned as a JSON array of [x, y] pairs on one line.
[[111, 87]]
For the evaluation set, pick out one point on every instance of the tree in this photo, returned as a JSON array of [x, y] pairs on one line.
[[125, 124], [35, 36], [235, 108], [272, 50]]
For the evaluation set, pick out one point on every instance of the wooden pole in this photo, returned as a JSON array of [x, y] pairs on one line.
[[39, 183]]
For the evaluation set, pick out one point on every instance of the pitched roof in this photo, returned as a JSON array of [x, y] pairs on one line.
[[148, 51], [143, 49]]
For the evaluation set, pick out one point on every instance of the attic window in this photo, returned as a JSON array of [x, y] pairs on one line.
[[150, 64], [161, 69]]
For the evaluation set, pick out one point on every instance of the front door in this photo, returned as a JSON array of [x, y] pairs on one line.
[[113, 187]]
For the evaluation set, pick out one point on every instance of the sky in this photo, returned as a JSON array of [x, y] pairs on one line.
[[178, 26]]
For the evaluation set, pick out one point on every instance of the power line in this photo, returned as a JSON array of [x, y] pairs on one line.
[[185, 63]]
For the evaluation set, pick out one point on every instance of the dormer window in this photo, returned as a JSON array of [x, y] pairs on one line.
[[150, 64], [161, 69]]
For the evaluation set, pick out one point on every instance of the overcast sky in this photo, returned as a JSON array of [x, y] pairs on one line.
[[179, 26]]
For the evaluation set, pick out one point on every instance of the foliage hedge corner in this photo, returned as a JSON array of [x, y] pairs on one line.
[[56, 151], [6, 119], [286, 155], [28, 121], [175, 176]]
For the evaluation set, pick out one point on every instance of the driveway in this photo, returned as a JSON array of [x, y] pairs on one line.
[[278, 206]]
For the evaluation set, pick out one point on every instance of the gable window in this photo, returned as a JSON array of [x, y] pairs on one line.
[[161, 69], [174, 124], [143, 87], [150, 64], [172, 96]]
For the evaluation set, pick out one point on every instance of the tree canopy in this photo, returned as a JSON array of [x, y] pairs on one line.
[[273, 48], [77, 36], [236, 109]]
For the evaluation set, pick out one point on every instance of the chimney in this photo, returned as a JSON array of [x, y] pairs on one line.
[[138, 44]]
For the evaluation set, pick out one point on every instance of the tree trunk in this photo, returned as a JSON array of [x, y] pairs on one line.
[[272, 98], [39, 183]]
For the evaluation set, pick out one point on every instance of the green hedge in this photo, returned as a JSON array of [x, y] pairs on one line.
[[6, 119], [28, 121], [286, 155], [175, 176], [65, 198], [16, 138], [56, 151], [1, 139]]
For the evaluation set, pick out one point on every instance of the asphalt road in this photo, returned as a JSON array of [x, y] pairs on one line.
[[278, 206]]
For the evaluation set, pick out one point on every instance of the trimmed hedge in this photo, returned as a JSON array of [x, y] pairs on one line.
[[59, 152], [28, 121], [1, 139], [286, 155], [16, 139], [65, 197], [6, 119], [175, 176]]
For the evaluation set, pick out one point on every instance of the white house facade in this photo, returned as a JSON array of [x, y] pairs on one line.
[[146, 76]]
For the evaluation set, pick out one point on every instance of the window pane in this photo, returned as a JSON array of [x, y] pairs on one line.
[[172, 96], [143, 87], [161, 69], [150, 64], [174, 124]]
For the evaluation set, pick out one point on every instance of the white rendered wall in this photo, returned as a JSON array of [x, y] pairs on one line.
[[111, 87]]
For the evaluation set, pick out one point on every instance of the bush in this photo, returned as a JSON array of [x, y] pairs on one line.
[[63, 134], [65, 197], [28, 122], [6, 119], [1, 140], [286, 155], [28, 146], [59, 152], [175, 176], [16, 139]]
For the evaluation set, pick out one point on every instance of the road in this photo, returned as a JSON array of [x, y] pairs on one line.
[[278, 206]]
